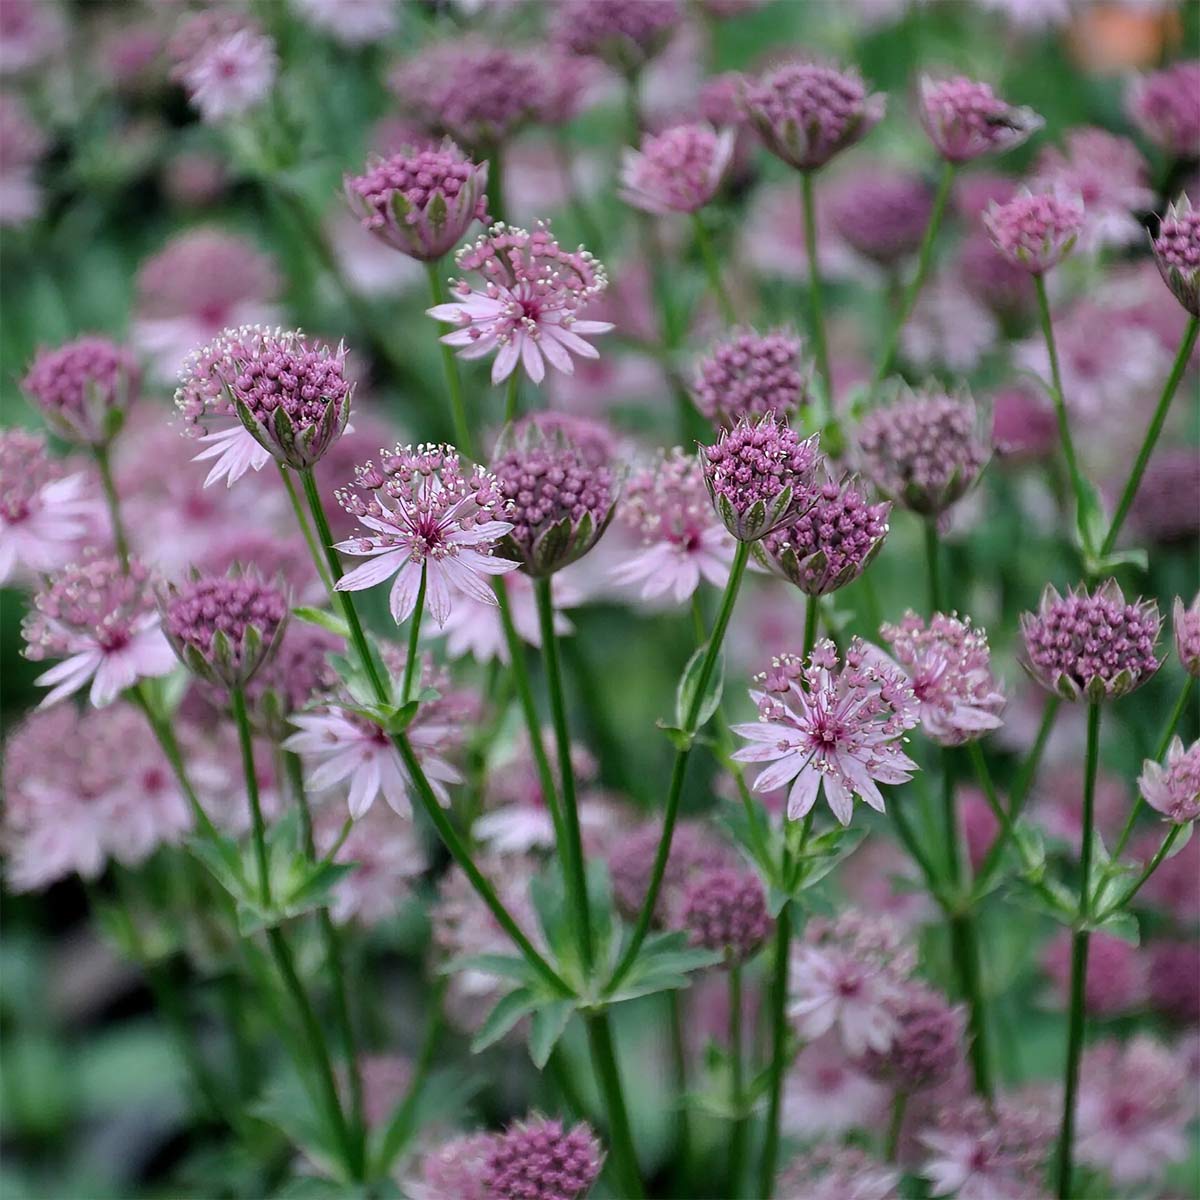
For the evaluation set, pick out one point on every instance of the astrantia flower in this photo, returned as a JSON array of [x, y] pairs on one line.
[[453, 1170], [1166, 508], [825, 1093], [1035, 230], [966, 119], [726, 910], [1177, 253], [295, 676], [1165, 106], [352, 23], [103, 623], [927, 1041], [882, 213], [824, 727], [527, 307], [84, 388], [949, 329], [386, 856], [750, 374], [430, 519], [1173, 789], [22, 147], [1091, 646], [230, 71], [667, 504], [541, 1159], [925, 450], [846, 975], [47, 508], [420, 201], [1115, 980], [949, 665], [806, 112], [1175, 980], [829, 1171], [678, 171], [832, 543], [559, 500], [624, 33], [760, 475], [1187, 634]]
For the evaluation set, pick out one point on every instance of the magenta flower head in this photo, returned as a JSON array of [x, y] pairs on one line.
[[726, 910], [1177, 253], [540, 1159], [678, 171], [832, 544], [925, 450], [526, 309], [101, 620], [1091, 646], [430, 517], [559, 500], [927, 1041], [830, 724], [882, 214], [1165, 106], [223, 628], [1173, 788], [420, 202], [949, 665], [806, 112], [84, 388], [965, 119], [750, 374], [760, 475], [1187, 634], [626, 34], [1035, 230]]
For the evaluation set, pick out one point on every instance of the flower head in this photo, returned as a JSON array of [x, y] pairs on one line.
[[760, 475], [726, 910], [1177, 253], [829, 1171], [806, 112], [84, 388], [541, 1159], [22, 147], [430, 519], [624, 33], [420, 201], [925, 450], [1035, 230], [881, 213], [1173, 789], [453, 1170], [667, 504], [965, 119], [527, 307], [950, 667], [1091, 646], [226, 64], [560, 501], [1187, 634], [224, 627], [751, 374], [352, 23], [386, 857], [103, 623], [830, 724], [1174, 980], [298, 674], [927, 1042], [677, 171], [832, 543], [1165, 106], [1115, 980]]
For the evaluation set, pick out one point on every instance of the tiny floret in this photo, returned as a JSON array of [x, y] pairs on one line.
[[678, 171], [750, 374], [84, 388], [1035, 230], [965, 119], [1173, 788], [541, 1159], [1177, 253]]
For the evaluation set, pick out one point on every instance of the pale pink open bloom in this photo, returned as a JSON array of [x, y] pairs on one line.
[[826, 1093], [102, 622], [824, 727], [1173, 788], [527, 308], [431, 522], [231, 73]]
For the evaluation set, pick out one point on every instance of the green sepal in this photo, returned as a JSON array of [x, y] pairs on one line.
[[324, 619], [688, 685]]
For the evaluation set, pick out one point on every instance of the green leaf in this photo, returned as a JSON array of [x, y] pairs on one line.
[[326, 620], [503, 966], [1091, 520], [1123, 925], [679, 738], [508, 1010], [547, 1025], [686, 692]]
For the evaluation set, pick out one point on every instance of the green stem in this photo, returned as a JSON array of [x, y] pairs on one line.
[[679, 1056], [566, 772], [1151, 438], [713, 269], [495, 187], [924, 258], [679, 769], [237, 699], [305, 527], [737, 1082], [1162, 852], [1079, 957], [933, 564], [964, 941], [120, 540], [815, 295], [895, 1125], [414, 634], [458, 407], [512, 395], [591, 231], [624, 1155]]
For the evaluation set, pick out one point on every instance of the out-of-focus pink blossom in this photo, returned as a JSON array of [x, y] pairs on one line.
[[827, 1093], [1165, 106], [1036, 230], [966, 119], [1116, 977], [1173, 788], [225, 62], [351, 23], [677, 171], [22, 147]]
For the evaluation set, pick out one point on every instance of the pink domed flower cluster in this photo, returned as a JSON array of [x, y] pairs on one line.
[[882, 214], [1091, 646], [1173, 788], [965, 119], [751, 374], [949, 665], [677, 171], [527, 309], [806, 112], [433, 522], [624, 33], [541, 1159], [420, 201], [1165, 106], [927, 1040], [1177, 253], [726, 910], [1187, 634], [84, 388], [1035, 230], [830, 724]]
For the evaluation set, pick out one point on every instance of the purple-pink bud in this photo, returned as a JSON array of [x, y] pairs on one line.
[[84, 388], [1165, 106], [1177, 253], [965, 119], [751, 374], [676, 171], [1035, 230], [624, 33], [1187, 634], [927, 1044], [541, 1159], [726, 910], [882, 214]]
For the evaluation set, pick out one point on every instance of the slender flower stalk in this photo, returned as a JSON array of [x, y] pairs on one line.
[[458, 407], [712, 268], [737, 1082], [414, 635], [815, 294], [237, 697], [111, 498], [624, 1154]]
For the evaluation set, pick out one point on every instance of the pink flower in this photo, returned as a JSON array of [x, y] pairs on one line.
[[1165, 106], [750, 374], [966, 119], [1174, 789], [387, 855], [678, 171], [624, 33], [821, 727], [527, 309], [668, 505], [351, 23], [103, 624], [442, 529], [22, 147], [827, 1093], [1187, 633], [1035, 231], [1177, 253], [84, 388], [1116, 978], [832, 1172], [474, 626], [231, 73], [541, 1159]]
